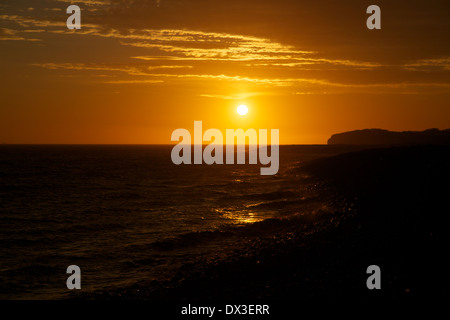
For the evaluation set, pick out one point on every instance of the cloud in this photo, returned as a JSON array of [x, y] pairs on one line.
[[134, 81], [195, 45], [31, 22], [171, 54], [169, 67], [89, 67], [239, 96], [87, 2], [130, 70], [13, 35], [17, 38], [429, 64], [181, 44], [307, 84]]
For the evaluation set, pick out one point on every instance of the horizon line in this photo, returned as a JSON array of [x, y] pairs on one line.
[[142, 144]]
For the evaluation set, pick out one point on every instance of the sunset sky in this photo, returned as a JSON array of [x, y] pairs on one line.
[[139, 69]]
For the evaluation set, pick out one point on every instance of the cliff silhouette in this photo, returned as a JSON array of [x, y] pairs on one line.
[[385, 137]]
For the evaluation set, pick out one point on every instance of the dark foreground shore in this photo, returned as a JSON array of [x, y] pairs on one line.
[[389, 208]]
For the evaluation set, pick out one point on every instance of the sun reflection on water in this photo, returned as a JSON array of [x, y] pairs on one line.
[[239, 216]]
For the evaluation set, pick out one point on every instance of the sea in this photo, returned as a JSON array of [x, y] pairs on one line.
[[125, 214]]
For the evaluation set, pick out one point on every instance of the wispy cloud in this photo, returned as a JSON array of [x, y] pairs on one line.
[[87, 2], [92, 67], [219, 56], [309, 85], [134, 81], [194, 45], [13, 35], [31, 22], [429, 64], [239, 96]]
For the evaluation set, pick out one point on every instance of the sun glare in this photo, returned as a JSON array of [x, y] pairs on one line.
[[242, 110]]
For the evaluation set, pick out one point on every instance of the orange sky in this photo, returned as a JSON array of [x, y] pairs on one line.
[[137, 70]]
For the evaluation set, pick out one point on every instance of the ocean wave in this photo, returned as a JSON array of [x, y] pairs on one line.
[[270, 195], [230, 232]]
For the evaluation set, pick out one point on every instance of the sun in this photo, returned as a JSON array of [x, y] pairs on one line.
[[242, 110]]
